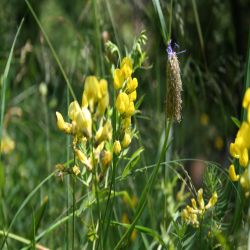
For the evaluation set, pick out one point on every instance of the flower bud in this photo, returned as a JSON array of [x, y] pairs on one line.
[[117, 147], [126, 140], [106, 158], [232, 173], [122, 102], [132, 84], [118, 79]]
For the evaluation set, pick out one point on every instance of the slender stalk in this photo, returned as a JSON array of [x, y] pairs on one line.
[[68, 185], [73, 208], [23, 240], [146, 190], [98, 40], [52, 50]]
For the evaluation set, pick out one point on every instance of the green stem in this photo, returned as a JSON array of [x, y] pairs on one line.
[[146, 190], [98, 40]]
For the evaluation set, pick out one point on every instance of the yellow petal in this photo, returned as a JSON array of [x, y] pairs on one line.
[[243, 160], [246, 99], [122, 102], [118, 79], [117, 147], [126, 140], [232, 173]]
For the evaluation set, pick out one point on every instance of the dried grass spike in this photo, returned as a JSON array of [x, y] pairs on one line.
[[174, 86]]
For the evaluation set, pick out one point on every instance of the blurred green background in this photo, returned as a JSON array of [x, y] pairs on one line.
[[214, 35]]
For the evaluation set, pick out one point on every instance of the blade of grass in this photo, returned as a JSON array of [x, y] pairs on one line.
[[23, 240], [146, 190], [158, 9], [198, 26], [3, 93], [4, 81], [24, 203], [238, 206], [52, 50]]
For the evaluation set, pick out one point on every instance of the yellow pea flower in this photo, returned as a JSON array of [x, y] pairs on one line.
[[102, 105], [131, 109], [106, 158], [132, 84], [193, 201], [126, 67], [81, 156], [7, 144], [243, 160], [200, 198], [126, 122], [118, 78], [104, 133], [76, 170], [246, 99], [84, 101], [103, 87], [84, 122], [234, 151], [62, 125], [126, 140], [92, 88], [232, 173], [132, 96], [212, 201], [122, 102], [244, 180], [117, 147], [73, 110]]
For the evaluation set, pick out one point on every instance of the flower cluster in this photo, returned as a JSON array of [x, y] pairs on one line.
[[193, 215], [126, 87], [239, 149], [91, 127]]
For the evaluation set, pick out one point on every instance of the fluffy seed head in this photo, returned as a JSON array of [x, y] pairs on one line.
[[174, 86]]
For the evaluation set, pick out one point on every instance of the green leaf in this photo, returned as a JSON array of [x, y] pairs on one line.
[[132, 162], [236, 121]]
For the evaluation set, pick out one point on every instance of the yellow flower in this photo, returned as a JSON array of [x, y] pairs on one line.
[[76, 170], [132, 84], [82, 158], [117, 147], [126, 140], [126, 122], [234, 150], [131, 109], [84, 100], [62, 125], [132, 96], [126, 67], [243, 160], [92, 90], [73, 110], [84, 122], [232, 173], [7, 144], [102, 105], [104, 133], [106, 158], [212, 200], [244, 180], [200, 198], [122, 102], [246, 99], [103, 87], [118, 79]]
